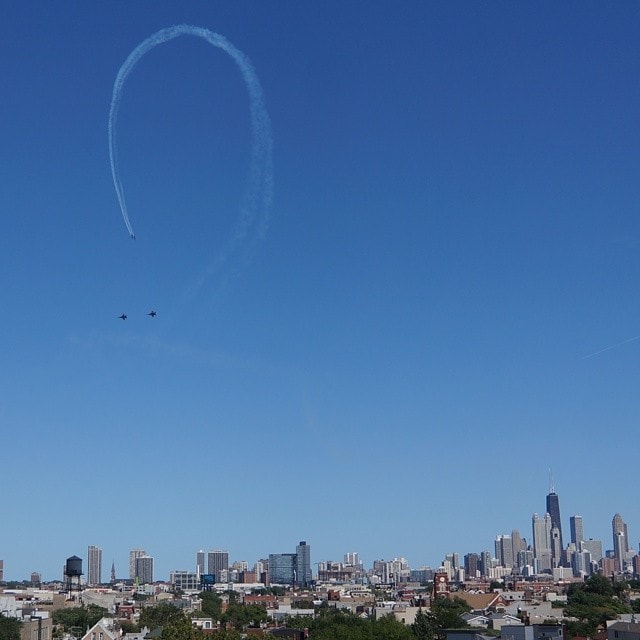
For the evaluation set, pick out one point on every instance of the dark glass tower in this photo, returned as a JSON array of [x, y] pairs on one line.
[[553, 509]]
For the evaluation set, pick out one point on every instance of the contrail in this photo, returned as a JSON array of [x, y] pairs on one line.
[[615, 346], [254, 211]]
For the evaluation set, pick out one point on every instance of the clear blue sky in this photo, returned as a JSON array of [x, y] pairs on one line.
[[454, 228]]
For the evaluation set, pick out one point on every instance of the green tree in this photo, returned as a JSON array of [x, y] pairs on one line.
[[126, 626], [242, 616], [78, 617], [72, 617], [9, 628], [95, 614], [593, 602], [160, 615], [447, 613], [389, 628], [211, 606], [181, 629], [424, 627]]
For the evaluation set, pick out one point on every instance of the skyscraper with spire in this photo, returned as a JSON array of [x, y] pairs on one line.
[[553, 509]]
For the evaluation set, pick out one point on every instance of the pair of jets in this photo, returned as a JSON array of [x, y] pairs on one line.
[[151, 313]]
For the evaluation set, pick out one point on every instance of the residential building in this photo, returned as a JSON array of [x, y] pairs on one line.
[[217, 563], [485, 563], [103, 630], [471, 565], [623, 631], [504, 550], [304, 577], [133, 555], [200, 568], [143, 572], [577, 531], [94, 562]]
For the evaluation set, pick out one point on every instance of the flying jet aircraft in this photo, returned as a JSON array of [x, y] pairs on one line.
[[133, 236], [123, 316], [152, 313]]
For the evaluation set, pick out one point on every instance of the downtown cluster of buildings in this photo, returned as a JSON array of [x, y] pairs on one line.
[[546, 554], [211, 568]]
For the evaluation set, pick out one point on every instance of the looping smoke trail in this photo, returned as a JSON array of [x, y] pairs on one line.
[[258, 195]]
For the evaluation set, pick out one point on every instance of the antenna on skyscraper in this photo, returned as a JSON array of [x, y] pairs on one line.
[[551, 487]]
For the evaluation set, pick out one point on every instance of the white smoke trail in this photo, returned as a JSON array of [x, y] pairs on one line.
[[256, 203], [615, 346]]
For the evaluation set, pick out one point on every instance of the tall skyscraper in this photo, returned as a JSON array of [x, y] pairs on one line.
[[620, 540], [542, 542], [485, 563], [504, 550], [553, 509], [556, 546], [143, 569], [577, 531], [352, 558], [217, 562], [304, 577], [200, 563], [519, 544], [619, 526], [94, 562], [1, 570], [133, 555], [471, 565]]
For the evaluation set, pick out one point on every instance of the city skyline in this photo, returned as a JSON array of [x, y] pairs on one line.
[[445, 256], [505, 548]]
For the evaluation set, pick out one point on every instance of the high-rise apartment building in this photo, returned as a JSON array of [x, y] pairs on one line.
[[471, 565], [304, 577], [577, 530], [352, 558], [200, 563], [94, 562], [1, 570], [504, 550], [134, 554], [143, 569], [485, 564], [217, 562]]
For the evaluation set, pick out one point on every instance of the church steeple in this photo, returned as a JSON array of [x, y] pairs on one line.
[[113, 572]]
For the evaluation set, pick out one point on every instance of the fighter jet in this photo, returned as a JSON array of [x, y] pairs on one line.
[[123, 316], [133, 236], [152, 313]]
